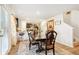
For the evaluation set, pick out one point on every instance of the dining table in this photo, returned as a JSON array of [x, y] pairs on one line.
[[40, 40]]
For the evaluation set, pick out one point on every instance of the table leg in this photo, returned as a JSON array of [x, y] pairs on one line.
[[40, 48]]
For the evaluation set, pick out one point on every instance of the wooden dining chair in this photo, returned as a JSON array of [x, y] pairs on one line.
[[32, 41], [50, 41]]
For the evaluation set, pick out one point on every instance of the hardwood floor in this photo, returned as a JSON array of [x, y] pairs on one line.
[[68, 50], [62, 49], [14, 49]]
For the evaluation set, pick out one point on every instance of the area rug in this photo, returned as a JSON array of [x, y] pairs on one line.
[[23, 49]]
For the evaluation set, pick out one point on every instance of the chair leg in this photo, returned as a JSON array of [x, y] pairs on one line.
[[53, 50], [29, 46], [45, 52], [46, 49]]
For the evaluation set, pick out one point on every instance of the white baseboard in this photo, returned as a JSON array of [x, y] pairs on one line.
[[63, 43]]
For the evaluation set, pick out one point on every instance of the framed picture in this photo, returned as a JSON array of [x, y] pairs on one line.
[[50, 25], [29, 25]]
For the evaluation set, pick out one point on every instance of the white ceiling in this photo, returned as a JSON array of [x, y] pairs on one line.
[[44, 10]]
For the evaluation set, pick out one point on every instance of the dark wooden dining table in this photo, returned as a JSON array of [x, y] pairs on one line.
[[40, 48]]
